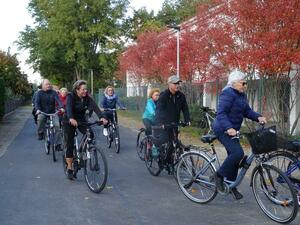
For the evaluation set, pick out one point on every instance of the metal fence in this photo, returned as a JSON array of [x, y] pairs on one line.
[[13, 103]]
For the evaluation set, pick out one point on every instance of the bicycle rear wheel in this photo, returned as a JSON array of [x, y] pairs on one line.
[[152, 163], [117, 138], [47, 141], [95, 169], [140, 142], [196, 177], [274, 193]]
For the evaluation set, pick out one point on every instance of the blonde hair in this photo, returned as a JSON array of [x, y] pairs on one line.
[[152, 91], [63, 89], [108, 87]]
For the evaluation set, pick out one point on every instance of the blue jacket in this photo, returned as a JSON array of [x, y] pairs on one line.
[[45, 101], [232, 108], [110, 102], [149, 110]]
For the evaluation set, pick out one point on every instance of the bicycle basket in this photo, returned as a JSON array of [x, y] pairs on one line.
[[263, 140]]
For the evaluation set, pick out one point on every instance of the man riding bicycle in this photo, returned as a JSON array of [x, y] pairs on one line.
[[170, 104], [46, 100]]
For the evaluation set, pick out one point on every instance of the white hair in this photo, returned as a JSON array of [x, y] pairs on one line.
[[234, 76]]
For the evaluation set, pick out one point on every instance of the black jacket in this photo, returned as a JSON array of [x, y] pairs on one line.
[[45, 101], [169, 107], [77, 107]]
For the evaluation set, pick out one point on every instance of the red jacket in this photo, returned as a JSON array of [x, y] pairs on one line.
[[63, 100]]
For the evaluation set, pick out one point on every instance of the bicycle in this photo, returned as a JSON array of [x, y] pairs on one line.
[[113, 131], [288, 160], [169, 153], [207, 119], [89, 157], [140, 143], [50, 141], [196, 176]]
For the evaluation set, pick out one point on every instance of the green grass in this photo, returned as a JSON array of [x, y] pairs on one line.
[[136, 115]]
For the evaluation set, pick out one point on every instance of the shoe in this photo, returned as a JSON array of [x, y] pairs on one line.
[[40, 136], [220, 183], [236, 194], [105, 133], [70, 174]]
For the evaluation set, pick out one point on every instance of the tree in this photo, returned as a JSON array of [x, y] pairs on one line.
[[72, 37]]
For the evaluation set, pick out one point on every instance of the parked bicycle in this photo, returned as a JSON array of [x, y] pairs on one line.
[[207, 118], [91, 158], [169, 153], [273, 191], [113, 130], [50, 135]]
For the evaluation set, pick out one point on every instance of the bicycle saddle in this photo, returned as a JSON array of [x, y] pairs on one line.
[[293, 145], [208, 138]]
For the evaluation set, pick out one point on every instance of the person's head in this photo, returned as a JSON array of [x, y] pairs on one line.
[[237, 80], [109, 90], [174, 83], [63, 91], [154, 94], [46, 85], [80, 88]]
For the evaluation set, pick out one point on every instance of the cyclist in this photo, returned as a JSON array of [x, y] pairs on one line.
[[232, 108], [170, 104], [148, 116], [63, 98], [110, 101], [78, 104], [46, 100]]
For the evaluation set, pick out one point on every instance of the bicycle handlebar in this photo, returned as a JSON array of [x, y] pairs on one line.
[[49, 114], [108, 109], [89, 124], [171, 125]]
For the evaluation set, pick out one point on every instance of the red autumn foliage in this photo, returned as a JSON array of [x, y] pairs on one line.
[[250, 35]]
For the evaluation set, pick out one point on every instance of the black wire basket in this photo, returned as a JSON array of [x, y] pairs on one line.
[[263, 140]]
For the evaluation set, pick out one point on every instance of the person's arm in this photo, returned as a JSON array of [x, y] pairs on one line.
[[94, 107], [160, 112], [185, 110], [250, 114], [69, 107], [225, 103], [38, 101], [118, 103]]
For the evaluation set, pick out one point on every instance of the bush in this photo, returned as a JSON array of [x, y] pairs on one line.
[[2, 97]]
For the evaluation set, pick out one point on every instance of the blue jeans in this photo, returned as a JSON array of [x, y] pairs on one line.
[[229, 168]]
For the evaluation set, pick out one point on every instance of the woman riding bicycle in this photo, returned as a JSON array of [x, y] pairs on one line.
[[78, 103], [232, 108], [110, 101], [149, 114]]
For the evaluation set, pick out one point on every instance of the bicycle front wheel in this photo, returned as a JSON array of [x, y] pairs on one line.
[[196, 177], [152, 162], [52, 144], [47, 141], [117, 139], [95, 169], [274, 193], [109, 137]]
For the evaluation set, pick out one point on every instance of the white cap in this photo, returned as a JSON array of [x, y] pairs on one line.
[[235, 76]]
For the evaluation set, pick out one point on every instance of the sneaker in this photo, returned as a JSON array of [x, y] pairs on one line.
[[105, 133], [220, 183], [236, 194], [70, 174], [40, 136]]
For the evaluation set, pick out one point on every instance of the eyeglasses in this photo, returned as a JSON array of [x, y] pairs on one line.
[[244, 83], [178, 83]]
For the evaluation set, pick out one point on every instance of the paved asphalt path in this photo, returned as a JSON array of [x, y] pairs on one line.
[[34, 191]]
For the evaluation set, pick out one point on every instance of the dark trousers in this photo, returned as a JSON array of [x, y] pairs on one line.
[[109, 115], [69, 134], [148, 123], [229, 168]]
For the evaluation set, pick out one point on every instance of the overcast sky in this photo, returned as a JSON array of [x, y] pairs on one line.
[[14, 16]]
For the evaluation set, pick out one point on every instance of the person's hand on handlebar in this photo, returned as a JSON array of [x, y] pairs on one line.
[[62, 110], [262, 120], [38, 112], [231, 132], [73, 122]]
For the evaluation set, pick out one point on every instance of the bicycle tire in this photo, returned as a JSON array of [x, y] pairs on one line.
[[263, 178], [152, 163], [117, 139], [46, 142], [52, 145], [140, 142], [109, 137], [189, 165], [95, 163]]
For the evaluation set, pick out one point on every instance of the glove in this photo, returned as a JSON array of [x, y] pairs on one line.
[[38, 112]]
